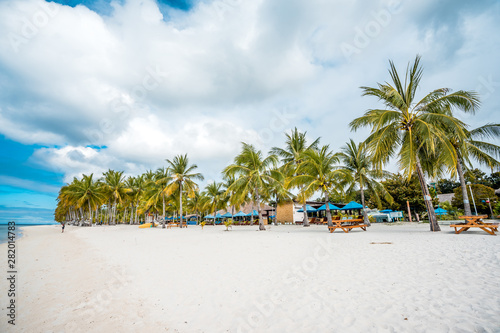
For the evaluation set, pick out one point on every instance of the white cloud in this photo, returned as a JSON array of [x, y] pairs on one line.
[[224, 72]]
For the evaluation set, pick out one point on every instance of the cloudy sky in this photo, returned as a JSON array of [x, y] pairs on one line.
[[90, 85]]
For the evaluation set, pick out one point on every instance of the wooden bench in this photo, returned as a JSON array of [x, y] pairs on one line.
[[475, 221]]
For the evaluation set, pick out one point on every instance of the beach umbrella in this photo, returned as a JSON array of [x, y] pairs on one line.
[[254, 213], [209, 217], [332, 207], [227, 215], [352, 205], [386, 211], [239, 214], [309, 209], [441, 211], [218, 216]]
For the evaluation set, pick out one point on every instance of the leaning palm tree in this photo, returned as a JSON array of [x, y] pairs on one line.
[[411, 126], [317, 172], [482, 152], [291, 156], [87, 194], [358, 164], [182, 179], [252, 172]]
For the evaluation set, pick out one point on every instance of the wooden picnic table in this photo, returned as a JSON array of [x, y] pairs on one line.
[[475, 221], [347, 225]]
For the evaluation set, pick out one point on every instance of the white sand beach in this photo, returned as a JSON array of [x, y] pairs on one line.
[[285, 279]]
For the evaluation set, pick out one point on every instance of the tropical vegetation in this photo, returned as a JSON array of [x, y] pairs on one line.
[[424, 136]]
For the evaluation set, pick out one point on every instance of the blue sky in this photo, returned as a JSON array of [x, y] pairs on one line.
[[91, 85]]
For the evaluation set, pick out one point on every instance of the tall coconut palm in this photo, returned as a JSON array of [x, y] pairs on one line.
[[411, 125], [482, 152], [116, 190], [253, 176], [163, 178], [195, 204], [291, 156], [358, 164], [87, 194], [183, 178], [216, 194], [317, 172]]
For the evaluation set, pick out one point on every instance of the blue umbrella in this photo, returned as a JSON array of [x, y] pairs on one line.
[[254, 213], [309, 209], [352, 205], [218, 216], [209, 217], [386, 211], [239, 214], [227, 215], [332, 207], [441, 211]]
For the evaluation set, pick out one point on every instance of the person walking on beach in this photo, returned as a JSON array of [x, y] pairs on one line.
[[62, 227]]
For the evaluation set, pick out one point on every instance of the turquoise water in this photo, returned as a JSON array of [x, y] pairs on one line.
[[4, 231]]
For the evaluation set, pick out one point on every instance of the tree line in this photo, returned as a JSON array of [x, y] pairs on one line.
[[424, 136]]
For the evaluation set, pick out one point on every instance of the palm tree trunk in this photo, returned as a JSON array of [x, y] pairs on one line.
[[427, 198], [163, 224], [90, 214], [114, 213], [365, 216], [328, 212], [261, 221], [465, 195], [306, 219], [136, 212], [180, 204]]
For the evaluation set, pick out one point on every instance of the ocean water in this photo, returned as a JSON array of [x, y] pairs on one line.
[[4, 231]]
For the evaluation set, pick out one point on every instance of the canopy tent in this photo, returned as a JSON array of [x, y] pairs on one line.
[[309, 209], [227, 215], [352, 205], [239, 214], [441, 211], [332, 207], [386, 211]]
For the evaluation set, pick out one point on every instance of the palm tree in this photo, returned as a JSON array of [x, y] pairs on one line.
[[183, 178], [86, 193], [196, 203], [482, 152], [216, 195], [413, 126], [360, 167], [253, 176], [115, 188], [317, 172], [291, 156], [162, 181]]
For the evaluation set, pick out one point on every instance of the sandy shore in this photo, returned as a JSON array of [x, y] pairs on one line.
[[286, 279]]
